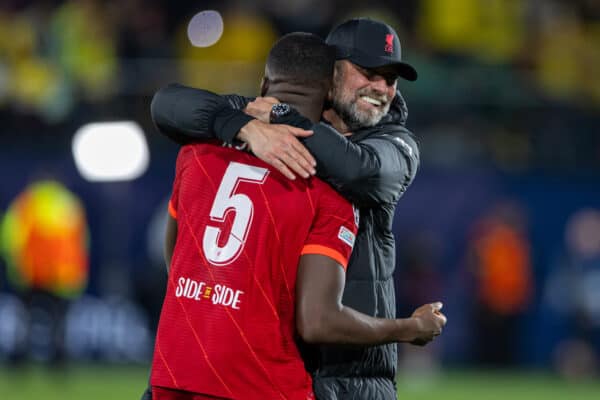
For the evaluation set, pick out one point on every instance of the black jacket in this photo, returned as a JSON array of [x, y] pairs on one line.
[[372, 168]]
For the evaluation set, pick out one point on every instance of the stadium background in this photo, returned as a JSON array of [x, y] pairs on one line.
[[506, 110]]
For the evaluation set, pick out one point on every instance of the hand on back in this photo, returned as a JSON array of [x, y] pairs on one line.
[[277, 144], [260, 108]]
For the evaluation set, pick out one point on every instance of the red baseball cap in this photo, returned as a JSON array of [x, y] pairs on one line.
[[370, 44]]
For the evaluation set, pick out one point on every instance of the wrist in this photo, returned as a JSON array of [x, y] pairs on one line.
[[229, 122], [408, 329], [282, 113], [246, 131]]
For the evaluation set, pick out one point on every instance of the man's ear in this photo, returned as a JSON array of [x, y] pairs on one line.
[[264, 86]]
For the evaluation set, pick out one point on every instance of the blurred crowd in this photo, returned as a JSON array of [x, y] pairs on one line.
[[502, 221], [502, 81]]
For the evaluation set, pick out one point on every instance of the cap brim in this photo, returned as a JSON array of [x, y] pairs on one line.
[[406, 71], [403, 69]]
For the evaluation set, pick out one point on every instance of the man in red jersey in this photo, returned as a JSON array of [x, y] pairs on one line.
[[256, 260]]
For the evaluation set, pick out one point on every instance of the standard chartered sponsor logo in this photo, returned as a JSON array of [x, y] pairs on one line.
[[217, 294]]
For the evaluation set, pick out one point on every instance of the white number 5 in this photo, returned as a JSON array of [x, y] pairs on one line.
[[226, 201]]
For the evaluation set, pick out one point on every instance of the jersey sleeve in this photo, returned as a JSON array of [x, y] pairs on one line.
[[334, 228]]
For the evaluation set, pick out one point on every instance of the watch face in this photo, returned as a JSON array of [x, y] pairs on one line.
[[279, 110]]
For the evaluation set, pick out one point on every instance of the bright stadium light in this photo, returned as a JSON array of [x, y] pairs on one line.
[[205, 28], [110, 151]]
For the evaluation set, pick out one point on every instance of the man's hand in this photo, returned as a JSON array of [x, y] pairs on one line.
[[429, 321], [278, 146], [260, 108]]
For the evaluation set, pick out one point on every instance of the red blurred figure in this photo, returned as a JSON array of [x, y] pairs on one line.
[[500, 260]]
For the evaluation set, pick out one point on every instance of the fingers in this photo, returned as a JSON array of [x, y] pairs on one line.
[[268, 99], [436, 307], [300, 132], [429, 308], [290, 164], [260, 108], [303, 156], [433, 322], [301, 153], [295, 156], [443, 318], [296, 164], [278, 146], [281, 167], [260, 113], [265, 100]]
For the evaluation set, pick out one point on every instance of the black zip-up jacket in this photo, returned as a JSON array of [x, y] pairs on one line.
[[372, 168]]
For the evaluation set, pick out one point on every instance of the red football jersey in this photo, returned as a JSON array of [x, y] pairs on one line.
[[227, 325]]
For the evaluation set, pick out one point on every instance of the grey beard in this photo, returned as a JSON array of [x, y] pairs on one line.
[[354, 119]]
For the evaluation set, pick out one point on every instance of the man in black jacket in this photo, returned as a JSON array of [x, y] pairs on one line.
[[372, 164]]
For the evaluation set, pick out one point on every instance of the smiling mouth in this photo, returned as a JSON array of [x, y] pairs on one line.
[[371, 100]]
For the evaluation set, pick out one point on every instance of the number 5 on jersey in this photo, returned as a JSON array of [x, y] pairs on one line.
[[228, 200]]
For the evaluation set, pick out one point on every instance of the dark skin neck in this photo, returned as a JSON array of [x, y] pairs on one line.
[[308, 101]]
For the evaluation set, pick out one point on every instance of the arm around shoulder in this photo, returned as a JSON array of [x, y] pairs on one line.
[[186, 114]]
